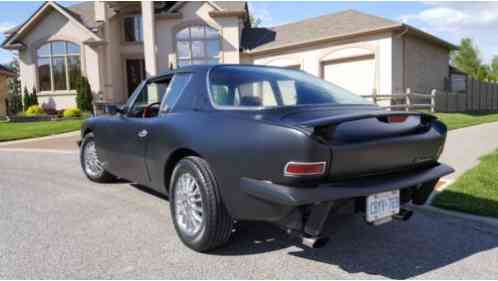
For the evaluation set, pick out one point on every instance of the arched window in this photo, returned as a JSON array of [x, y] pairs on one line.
[[197, 44], [58, 66]]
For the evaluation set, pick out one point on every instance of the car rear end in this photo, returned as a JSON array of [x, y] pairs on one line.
[[316, 147], [379, 161]]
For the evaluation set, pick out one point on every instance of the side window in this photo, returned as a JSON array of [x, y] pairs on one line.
[[288, 91], [146, 104], [256, 94], [175, 89]]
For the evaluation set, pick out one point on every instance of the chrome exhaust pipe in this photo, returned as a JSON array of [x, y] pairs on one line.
[[403, 215], [314, 242]]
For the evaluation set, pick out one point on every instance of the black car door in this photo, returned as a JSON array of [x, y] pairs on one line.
[[127, 134], [161, 130]]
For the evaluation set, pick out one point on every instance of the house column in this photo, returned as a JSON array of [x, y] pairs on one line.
[[149, 37]]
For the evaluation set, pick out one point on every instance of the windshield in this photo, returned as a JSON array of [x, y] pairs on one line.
[[256, 87]]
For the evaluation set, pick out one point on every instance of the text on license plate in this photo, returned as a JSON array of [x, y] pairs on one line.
[[382, 205]]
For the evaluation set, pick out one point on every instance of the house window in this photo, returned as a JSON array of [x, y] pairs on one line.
[[58, 66], [133, 31], [197, 45]]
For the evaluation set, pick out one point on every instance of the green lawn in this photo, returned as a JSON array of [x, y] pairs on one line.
[[474, 192], [460, 120], [15, 131]]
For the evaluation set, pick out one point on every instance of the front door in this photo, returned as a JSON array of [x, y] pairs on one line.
[[129, 133], [135, 73]]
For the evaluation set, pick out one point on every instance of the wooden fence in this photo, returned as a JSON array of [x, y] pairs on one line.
[[479, 96], [407, 101]]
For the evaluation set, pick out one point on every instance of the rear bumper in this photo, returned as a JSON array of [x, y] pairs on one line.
[[294, 196]]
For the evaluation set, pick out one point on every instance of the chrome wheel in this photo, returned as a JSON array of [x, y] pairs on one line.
[[189, 210], [93, 166]]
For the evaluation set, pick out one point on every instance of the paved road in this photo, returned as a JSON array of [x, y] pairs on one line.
[[56, 224], [464, 146]]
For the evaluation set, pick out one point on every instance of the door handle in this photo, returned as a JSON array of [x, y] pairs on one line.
[[143, 133]]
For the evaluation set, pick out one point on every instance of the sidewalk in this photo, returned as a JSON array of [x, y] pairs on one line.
[[464, 147]]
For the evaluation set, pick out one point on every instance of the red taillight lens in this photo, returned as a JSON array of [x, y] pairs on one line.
[[304, 168], [396, 118]]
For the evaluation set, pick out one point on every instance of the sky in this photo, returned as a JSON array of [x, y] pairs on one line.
[[450, 21]]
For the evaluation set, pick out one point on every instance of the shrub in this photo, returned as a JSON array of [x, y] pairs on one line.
[[34, 97], [34, 110], [72, 112], [29, 99], [84, 95], [26, 99]]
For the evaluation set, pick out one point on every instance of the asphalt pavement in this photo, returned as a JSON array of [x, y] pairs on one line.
[[56, 224]]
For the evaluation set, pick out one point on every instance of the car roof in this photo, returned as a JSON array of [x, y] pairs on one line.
[[207, 67]]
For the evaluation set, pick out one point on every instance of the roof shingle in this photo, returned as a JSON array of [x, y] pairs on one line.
[[331, 25]]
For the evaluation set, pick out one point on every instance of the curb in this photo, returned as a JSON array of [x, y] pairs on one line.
[[446, 183], [31, 150], [69, 134], [483, 220]]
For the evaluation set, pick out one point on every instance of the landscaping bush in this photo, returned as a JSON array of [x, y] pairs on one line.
[[26, 99], [72, 112], [35, 110], [34, 97], [84, 95], [29, 99]]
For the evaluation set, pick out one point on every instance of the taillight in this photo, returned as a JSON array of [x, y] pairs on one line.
[[304, 168], [396, 118]]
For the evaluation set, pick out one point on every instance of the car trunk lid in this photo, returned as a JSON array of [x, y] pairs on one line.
[[373, 141]]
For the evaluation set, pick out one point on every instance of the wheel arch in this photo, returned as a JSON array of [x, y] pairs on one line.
[[172, 160]]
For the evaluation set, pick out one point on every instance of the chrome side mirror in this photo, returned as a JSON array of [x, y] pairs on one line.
[[113, 109]]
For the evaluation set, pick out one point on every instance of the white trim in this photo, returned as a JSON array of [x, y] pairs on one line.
[[57, 93], [180, 4], [41, 11]]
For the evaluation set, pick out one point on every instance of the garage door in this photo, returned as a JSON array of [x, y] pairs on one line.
[[356, 75]]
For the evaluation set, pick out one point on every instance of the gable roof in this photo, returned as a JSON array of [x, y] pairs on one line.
[[6, 71], [332, 26], [231, 6], [82, 14]]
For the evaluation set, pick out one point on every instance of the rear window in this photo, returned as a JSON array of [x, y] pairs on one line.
[[261, 87]]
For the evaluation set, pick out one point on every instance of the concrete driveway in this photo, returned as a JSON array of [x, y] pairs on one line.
[[56, 224]]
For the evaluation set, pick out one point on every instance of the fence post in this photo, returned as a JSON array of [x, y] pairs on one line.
[[7, 109], [433, 100], [374, 95], [407, 99]]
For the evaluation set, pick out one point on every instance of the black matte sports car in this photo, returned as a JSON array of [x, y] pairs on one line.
[[230, 143]]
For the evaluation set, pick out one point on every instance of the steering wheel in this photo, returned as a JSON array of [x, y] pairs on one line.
[[148, 109]]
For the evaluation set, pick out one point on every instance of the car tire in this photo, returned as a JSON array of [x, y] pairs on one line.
[[88, 154], [195, 191]]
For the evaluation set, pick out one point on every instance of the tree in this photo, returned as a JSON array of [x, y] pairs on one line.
[[483, 74], [255, 21], [493, 72], [84, 95], [14, 89], [468, 59], [34, 97], [26, 99]]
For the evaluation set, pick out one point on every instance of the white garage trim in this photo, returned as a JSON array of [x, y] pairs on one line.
[[289, 62], [346, 60]]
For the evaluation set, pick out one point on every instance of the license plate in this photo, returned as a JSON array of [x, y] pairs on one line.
[[382, 205]]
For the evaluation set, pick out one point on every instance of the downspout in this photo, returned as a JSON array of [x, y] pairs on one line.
[[403, 42]]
